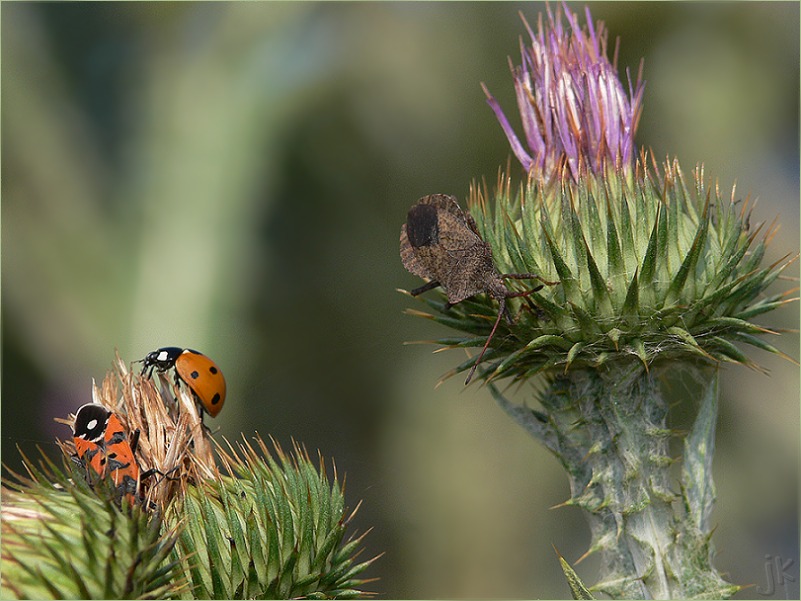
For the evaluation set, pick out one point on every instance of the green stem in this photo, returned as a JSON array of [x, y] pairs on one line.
[[608, 428]]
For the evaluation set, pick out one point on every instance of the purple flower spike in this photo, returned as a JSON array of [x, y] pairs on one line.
[[574, 109]]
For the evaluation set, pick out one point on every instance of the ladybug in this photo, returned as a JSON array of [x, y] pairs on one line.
[[196, 370], [102, 444]]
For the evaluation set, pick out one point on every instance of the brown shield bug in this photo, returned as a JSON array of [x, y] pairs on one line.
[[441, 243]]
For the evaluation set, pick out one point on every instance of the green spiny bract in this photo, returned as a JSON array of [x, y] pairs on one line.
[[65, 540], [274, 529], [650, 266]]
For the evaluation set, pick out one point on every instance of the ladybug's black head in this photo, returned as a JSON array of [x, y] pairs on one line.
[[161, 359], [90, 422]]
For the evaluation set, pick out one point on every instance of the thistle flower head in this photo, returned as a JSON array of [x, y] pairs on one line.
[[572, 104], [644, 267], [650, 264]]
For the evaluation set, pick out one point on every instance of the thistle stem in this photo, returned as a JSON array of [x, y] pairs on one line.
[[608, 428]]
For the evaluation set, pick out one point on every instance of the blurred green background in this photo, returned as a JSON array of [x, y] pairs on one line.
[[233, 177]]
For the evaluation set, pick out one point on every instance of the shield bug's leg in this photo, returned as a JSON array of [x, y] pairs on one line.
[[425, 288], [524, 294], [531, 307], [501, 311], [528, 276], [525, 276]]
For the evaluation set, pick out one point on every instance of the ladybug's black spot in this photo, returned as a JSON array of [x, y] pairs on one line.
[[194, 375], [215, 399], [213, 370]]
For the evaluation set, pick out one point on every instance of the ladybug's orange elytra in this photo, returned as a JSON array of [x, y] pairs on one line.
[[196, 370]]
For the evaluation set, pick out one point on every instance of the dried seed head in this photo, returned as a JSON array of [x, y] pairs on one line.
[[171, 441]]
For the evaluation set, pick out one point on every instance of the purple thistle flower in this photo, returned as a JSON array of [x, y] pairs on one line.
[[572, 105]]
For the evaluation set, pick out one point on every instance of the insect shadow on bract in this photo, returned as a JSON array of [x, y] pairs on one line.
[[441, 243]]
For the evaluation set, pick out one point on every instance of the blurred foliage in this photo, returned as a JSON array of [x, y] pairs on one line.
[[232, 178]]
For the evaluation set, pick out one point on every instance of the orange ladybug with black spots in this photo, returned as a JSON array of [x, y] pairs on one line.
[[196, 370]]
